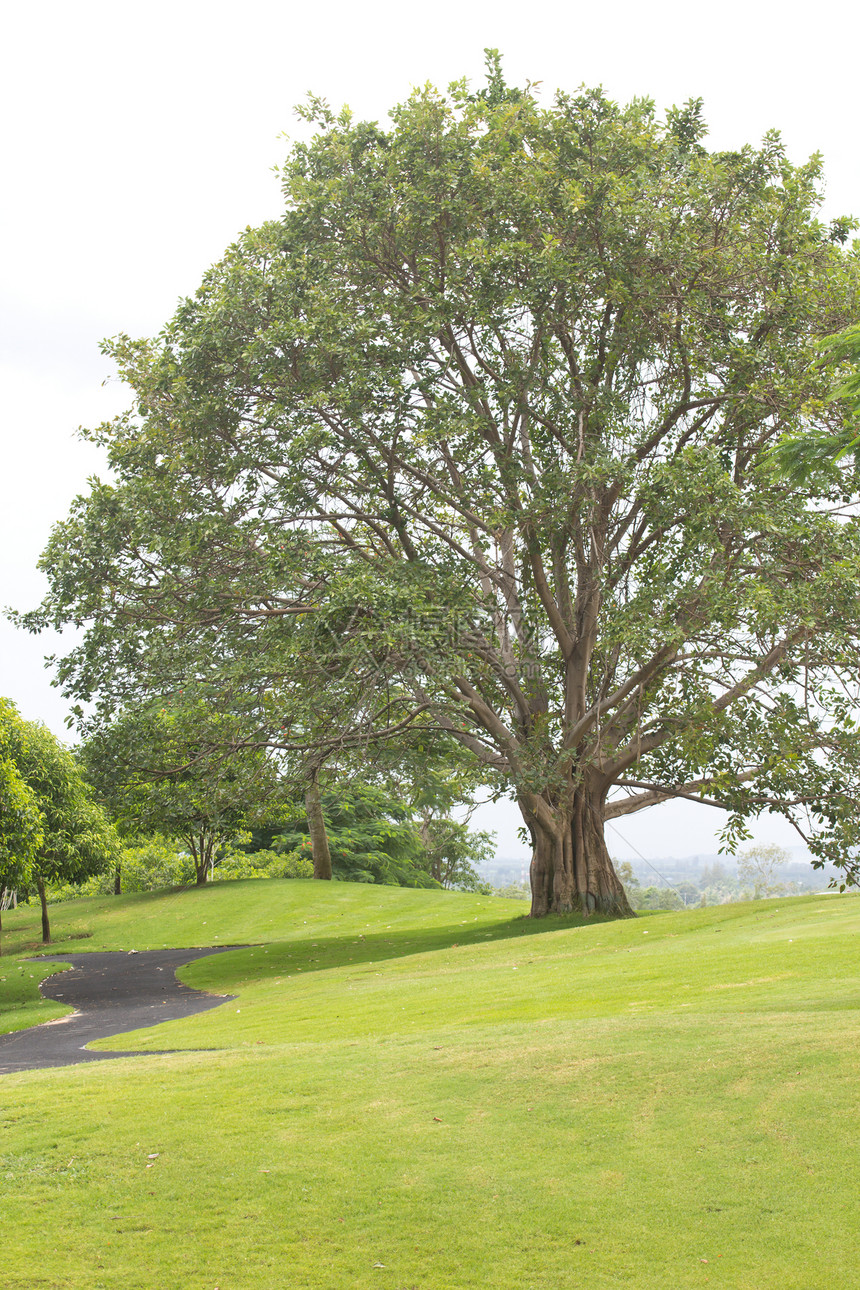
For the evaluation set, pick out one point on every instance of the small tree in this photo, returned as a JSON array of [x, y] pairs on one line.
[[440, 782], [757, 866], [454, 852], [181, 770], [78, 840], [632, 885], [21, 832]]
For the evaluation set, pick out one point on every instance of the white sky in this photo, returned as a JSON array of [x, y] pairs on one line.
[[140, 138]]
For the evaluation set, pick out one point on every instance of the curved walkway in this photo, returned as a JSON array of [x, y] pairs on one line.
[[111, 993]]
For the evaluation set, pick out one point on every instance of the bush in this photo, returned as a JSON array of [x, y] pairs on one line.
[[263, 864], [158, 863], [148, 866]]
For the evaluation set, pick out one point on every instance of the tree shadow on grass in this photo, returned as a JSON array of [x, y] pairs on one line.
[[319, 952]]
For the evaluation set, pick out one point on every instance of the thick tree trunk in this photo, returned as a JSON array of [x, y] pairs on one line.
[[117, 881], [316, 827], [46, 926], [571, 870]]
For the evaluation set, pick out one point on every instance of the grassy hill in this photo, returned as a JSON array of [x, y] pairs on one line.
[[421, 1090]]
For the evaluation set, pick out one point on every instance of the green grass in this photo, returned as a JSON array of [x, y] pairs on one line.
[[431, 1083]]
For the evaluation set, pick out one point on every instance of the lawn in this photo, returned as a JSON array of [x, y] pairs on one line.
[[421, 1090]]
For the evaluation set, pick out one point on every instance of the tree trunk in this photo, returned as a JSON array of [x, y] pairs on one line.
[[571, 871], [46, 926], [117, 881], [316, 827], [203, 860], [201, 854], [434, 856]]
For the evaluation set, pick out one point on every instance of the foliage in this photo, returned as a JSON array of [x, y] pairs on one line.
[[454, 851], [475, 438], [78, 840], [511, 891], [21, 832], [844, 348], [147, 865], [715, 884], [154, 864], [371, 836], [624, 869], [419, 785], [264, 864], [801, 456], [440, 781], [675, 897], [658, 898], [688, 892], [182, 770]]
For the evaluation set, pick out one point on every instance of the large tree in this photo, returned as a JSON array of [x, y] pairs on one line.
[[491, 406]]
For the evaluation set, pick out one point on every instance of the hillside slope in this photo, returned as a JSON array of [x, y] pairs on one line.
[[417, 1089]]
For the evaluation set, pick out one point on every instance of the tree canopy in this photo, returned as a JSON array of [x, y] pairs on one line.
[[21, 832], [76, 838], [475, 438], [371, 838], [802, 453], [182, 770]]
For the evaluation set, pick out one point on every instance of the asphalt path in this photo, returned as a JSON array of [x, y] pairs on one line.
[[111, 993]]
